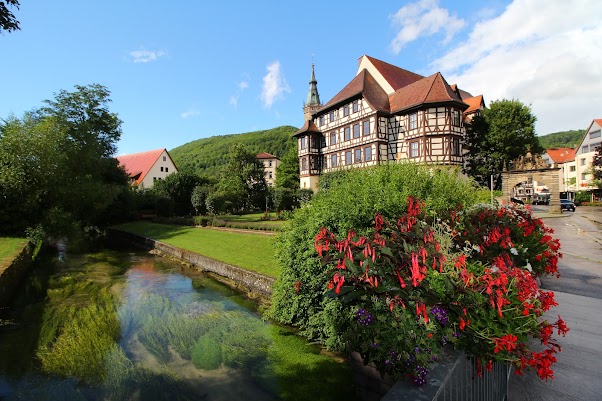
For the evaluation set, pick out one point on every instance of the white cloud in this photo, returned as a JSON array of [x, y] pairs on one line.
[[145, 56], [243, 85], [189, 114], [234, 101], [423, 18], [549, 60], [274, 85]]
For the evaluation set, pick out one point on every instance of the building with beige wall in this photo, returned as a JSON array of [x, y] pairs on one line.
[[384, 114], [270, 164], [145, 168]]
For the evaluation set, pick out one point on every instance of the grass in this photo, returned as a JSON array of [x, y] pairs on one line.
[[249, 251], [253, 221], [9, 249]]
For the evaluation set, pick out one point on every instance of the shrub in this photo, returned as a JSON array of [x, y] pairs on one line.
[[416, 283], [207, 353], [348, 200], [582, 196]]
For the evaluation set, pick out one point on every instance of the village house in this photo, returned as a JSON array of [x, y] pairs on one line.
[[145, 168], [384, 114], [270, 164]]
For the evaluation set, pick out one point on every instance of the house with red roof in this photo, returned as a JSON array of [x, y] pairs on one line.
[[384, 113], [270, 164], [145, 168], [584, 155]]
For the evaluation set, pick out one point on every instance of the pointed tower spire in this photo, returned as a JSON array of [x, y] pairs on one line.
[[312, 104]]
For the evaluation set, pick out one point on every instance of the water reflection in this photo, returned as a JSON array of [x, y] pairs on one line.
[[117, 326]]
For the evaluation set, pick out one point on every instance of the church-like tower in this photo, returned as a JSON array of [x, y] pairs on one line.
[[312, 104]]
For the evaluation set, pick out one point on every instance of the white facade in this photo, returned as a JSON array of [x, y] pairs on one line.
[[162, 167]]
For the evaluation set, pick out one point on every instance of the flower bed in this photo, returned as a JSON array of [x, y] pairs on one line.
[[467, 278]]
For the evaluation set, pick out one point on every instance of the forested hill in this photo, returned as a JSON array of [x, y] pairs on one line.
[[564, 139], [206, 156]]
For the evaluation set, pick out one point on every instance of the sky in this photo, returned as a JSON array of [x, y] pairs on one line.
[[184, 70]]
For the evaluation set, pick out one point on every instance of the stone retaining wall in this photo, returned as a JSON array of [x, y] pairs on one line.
[[11, 275], [255, 283]]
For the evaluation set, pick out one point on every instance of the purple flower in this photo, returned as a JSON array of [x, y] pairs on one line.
[[364, 317], [440, 314]]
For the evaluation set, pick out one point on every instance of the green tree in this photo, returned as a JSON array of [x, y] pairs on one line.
[[199, 199], [287, 173], [179, 187], [8, 22], [56, 168], [505, 131], [243, 184]]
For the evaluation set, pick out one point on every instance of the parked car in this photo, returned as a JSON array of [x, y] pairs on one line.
[[566, 204]]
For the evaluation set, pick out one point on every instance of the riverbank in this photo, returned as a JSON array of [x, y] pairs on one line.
[[14, 257], [246, 250]]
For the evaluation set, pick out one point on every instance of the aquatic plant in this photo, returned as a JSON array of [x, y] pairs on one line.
[[207, 353]]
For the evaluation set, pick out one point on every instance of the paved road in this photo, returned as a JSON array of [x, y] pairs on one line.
[[578, 372]]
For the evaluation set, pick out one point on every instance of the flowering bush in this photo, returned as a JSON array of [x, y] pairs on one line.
[[417, 283]]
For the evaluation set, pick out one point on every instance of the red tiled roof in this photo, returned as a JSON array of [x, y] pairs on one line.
[[598, 120], [395, 76], [137, 165], [433, 89], [309, 126], [264, 155], [365, 84], [561, 155], [474, 103]]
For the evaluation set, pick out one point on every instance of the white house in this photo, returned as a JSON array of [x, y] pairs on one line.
[[147, 167], [270, 164]]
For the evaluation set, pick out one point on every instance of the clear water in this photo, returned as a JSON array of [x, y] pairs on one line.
[[123, 326]]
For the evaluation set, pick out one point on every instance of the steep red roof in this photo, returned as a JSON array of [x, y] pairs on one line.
[[598, 120], [474, 103], [364, 84], [137, 165], [309, 126], [561, 155], [433, 89], [264, 155], [395, 76]]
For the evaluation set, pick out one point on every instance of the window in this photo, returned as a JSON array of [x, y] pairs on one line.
[[456, 118], [585, 149], [303, 142], [583, 176], [357, 157], [161, 168], [348, 157], [270, 163], [271, 175], [455, 144], [593, 146], [304, 164], [332, 116], [321, 121], [356, 106], [414, 149], [333, 138], [594, 134], [333, 161], [164, 158], [368, 153], [366, 127], [572, 168], [154, 178], [356, 130], [583, 162], [347, 133], [166, 169], [345, 111], [413, 121]]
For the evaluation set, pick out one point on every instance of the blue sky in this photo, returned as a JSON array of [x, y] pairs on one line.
[[184, 70]]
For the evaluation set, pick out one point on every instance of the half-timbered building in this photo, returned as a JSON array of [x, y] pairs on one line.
[[384, 114]]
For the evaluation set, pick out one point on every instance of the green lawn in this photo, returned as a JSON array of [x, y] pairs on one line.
[[252, 220], [9, 249], [253, 252]]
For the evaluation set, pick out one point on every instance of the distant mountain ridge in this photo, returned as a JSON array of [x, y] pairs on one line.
[[206, 156], [563, 139]]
